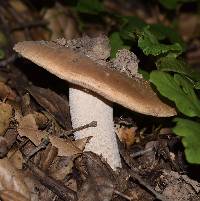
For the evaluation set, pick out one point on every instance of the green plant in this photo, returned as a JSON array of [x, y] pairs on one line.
[[172, 76], [177, 81]]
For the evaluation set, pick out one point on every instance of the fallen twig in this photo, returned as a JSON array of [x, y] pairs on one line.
[[146, 185], [56, 186], [91, 124], [135, 175]]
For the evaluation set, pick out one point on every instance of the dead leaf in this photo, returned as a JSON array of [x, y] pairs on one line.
[[11, 179], [100, 182], [3, 147], [5, 116], [24, 14], [28, 128], [61, 22], [34, 187], [15, 156], [126, 135], [66, 147], [60, 172], [188, 25], [26, 104], [53, 103], [6, 92], [47, 157], [11, 137], [41, 119], [7, 141], [9, 195]]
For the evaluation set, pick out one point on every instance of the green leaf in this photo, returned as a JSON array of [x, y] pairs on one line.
[[116, 43], [170, 4], [197, 85], [177, 65], [144, 73], [150, 45], [190, 133], [93, 7], [172, 64], [162, 32], [129, 25], [177, 89]]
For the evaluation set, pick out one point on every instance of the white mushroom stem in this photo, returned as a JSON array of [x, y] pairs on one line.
[[84, 108]]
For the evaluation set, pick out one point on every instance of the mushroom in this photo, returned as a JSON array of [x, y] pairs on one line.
[[93, 89]]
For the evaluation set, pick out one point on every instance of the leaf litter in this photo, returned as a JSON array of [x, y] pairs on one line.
[[5, 117], [66, 147], [6, 92], [63, 169], [53, 103], [56, 164], [11, 179]]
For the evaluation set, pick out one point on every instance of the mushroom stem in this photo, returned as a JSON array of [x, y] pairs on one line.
[[86, 107]]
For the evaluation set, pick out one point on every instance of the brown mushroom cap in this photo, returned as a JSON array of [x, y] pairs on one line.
[[135, 94]]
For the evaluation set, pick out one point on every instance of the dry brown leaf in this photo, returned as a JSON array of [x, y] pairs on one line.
[[53, 103], [28, 128], [24, 14], [3, 146], [47, 157], [67, 147], [100, 182], [61, 172], [17, 108], [80, 143], [19, 6], [11, 179], [9, 195], [61, 22], [5, 116], [126, 135], [6, 92], [15, 156], [11, 136], [41, 119], [7, 141], [34, 187], [188, 24]]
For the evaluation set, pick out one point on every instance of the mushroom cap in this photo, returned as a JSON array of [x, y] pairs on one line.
[[133, 93]]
